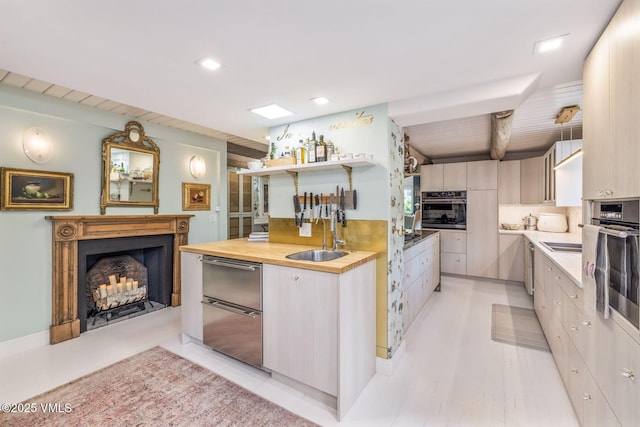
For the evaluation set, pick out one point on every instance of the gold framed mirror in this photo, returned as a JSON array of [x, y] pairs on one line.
[[130, 169]]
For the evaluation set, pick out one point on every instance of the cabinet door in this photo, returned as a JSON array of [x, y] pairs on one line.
[[596, 410], [482, 175], [532, 181], [482, 233], [596, 121], [511, 257], [624, 149], [509, 182], [455, 176], [191, 294], [453, 241], [300, 325], [431, 177]]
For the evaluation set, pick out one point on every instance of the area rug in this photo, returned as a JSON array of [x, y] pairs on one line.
[[517, 326], [153, 388]]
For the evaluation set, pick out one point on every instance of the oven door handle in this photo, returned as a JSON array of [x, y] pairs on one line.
[[618, 233], [222, 306], [444, 202], [246, 267]]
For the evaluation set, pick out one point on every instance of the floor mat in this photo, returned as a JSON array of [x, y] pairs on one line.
[[517, 326]]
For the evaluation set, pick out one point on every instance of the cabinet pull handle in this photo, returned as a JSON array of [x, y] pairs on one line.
[[296, 277], [586, 396], [575, 328], [557, 302], [586, 323], [628, 374], [574, 371], [574, 296]]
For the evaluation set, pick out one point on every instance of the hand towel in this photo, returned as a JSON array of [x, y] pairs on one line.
[[602, 275], [590, 235]]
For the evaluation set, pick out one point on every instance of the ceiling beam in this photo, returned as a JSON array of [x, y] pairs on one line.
[[500, 133], [245, 151]]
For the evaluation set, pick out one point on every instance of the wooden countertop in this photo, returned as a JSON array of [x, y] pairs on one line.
[[275, 253]]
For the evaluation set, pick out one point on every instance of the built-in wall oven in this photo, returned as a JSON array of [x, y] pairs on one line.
[[620, 223], [232, 308], [444, 209]]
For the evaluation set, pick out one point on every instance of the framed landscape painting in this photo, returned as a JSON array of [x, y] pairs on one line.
[[23, 189]]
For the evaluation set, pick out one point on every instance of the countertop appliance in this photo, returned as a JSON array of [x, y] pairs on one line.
[[529, 266], [552, 222], [444, 209], [232, 308], [620, 221], [530, 222]]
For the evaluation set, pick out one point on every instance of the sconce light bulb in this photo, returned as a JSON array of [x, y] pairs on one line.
[[36, 145]]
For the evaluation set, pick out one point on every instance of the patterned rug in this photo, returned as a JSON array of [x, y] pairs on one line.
[[518, 326], [153, 388]]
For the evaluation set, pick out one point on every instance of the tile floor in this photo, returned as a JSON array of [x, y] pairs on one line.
[[453, 374]]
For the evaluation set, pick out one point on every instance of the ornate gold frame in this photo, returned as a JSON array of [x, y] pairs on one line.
[[196, 197], [23, 189], [131, 139]]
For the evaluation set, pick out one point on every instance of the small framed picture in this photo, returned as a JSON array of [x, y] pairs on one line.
[[23, 189], [196, 197]]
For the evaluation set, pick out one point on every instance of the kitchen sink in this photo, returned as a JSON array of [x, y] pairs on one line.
[[562, 246], [316, 255]]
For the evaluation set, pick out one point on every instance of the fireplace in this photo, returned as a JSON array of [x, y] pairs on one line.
[[73, 244], [142, 259]]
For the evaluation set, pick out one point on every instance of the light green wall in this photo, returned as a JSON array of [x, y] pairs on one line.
[[76, 132]]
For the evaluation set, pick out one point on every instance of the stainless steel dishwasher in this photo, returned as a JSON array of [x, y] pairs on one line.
[[529, 265], [232, 308]]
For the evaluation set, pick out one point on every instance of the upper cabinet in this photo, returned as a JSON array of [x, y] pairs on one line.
[[611, 109], [509, 182], [482, 175], [532, 182], [443, 177]]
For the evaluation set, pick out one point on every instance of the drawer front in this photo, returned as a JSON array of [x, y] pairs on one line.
[[453, 263], [453, 242]]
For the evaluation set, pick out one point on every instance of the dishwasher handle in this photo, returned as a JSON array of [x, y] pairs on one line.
[[235, 310], [228, 264]]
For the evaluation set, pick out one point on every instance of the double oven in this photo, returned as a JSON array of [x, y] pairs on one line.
[[620, 222], [444, 209]]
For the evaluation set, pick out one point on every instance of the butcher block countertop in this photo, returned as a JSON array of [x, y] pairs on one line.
[[275, 253]]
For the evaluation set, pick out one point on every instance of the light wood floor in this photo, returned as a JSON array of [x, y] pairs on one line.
[[453, 374]]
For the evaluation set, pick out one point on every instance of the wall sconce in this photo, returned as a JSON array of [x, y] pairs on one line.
[[36, 145], [197, 167]]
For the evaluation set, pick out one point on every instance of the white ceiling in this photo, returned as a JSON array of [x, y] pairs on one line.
[[432, 61]]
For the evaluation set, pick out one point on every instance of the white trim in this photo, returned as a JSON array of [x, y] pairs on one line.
[[388, 367], [24, 343]]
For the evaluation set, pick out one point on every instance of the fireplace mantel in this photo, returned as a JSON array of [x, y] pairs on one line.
[[68, 230]]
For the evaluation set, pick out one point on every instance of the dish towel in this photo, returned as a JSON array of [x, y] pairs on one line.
[[590, 235], [595, 271]]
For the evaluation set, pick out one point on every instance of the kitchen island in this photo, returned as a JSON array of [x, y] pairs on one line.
[[318, 318]]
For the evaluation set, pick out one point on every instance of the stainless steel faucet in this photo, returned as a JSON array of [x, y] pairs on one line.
[[334, 225]]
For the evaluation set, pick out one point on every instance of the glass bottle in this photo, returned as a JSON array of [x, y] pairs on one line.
[[311, 150], [321, 150], [272, 153], [330, 149]]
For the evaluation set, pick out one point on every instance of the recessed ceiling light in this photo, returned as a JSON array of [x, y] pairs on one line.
[[321, 100], [209, 64], [554, 43], [272, 111]]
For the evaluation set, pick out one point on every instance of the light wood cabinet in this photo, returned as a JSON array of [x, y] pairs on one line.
[[612, 108], [595, 127], [482, 233], [300, 325], [597, 359], [443, 177], [511, 257], [482, 175], [453, 252], [532, 181], [509, 182], [421, 276], [191, 296], [319, 329]]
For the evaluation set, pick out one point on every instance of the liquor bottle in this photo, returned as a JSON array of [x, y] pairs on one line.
[[311, 149], [330, 149], [272, 153], [321, 150]]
